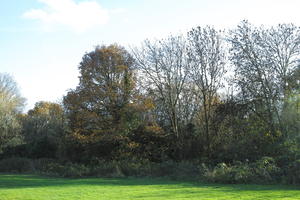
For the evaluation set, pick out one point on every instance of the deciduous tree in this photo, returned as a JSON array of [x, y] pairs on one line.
[[102, 109], [11, 105], [206, 52]]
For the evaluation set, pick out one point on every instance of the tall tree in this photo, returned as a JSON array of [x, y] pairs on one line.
[[206, 52], [43, 129], [263, 59], [102, 107], [11, 105], [164, 67]]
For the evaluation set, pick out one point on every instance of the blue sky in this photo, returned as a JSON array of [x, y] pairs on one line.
[[43, 41]]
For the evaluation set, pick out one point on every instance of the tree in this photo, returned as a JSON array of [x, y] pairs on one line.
[[101, 110], [164, 67], [11, 105], [291, 112], [43, 129], [207, 68], [263, 59]]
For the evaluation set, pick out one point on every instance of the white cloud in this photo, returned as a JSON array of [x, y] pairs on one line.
[[77, 16], [118, 11]]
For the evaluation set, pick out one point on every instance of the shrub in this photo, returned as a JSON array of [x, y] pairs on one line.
[[223, 173], [76, 170], [166, 168], [16, 164], [41, 165], [135, 168], [262, 171], [144, 168], [266, 170], [241, 174], [54, 169], [186, 170], [293, 175], [70, 170], [103, 168], [218, 174]]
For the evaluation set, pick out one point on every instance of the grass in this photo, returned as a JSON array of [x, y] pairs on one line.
[[30, 187]]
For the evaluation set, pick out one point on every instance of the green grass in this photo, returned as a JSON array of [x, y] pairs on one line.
[[25, 187]]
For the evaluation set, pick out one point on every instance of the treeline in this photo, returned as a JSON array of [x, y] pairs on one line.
[[225, 99]]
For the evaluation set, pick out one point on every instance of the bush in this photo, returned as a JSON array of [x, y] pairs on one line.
[[69, 170], [242, 174], [41, 165], [166, 168], [218, 174], [262, 171], [144, 168], [293, 175], [16, 164], [223, 173], [135, 168], [266, 170], [106, 169], [186, 170], [76, 170]]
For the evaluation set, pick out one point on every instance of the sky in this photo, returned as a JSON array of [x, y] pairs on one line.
[[42, 41]]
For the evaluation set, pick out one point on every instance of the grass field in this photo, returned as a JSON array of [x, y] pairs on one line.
[[25, 187]]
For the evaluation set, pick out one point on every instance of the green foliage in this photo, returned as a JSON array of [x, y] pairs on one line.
[[102, 110], [161, 113], [11, 104], [43, 129], [148, 142], [41, 164], [266, 170], [15, 164], [106, 169], [66, 170], [293, 175], [262, 171]]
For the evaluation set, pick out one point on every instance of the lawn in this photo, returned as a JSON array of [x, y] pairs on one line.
[[25, 187]]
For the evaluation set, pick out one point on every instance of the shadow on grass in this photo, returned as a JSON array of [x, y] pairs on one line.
[[13, 181]]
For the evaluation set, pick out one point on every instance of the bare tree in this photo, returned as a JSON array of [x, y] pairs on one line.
[[207, 59], [263, 59], [164, 66]]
